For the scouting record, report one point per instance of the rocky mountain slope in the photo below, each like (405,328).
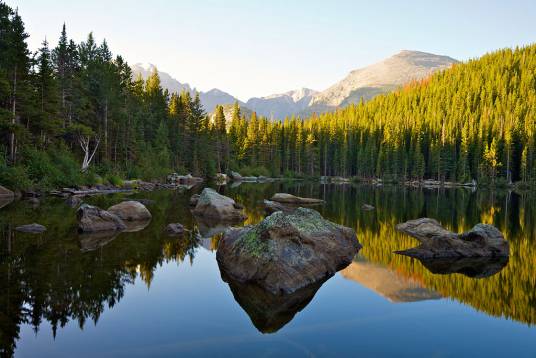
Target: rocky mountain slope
(282,105)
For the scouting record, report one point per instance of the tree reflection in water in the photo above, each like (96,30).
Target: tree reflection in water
(59,276)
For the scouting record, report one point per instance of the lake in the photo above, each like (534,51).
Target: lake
(147,294)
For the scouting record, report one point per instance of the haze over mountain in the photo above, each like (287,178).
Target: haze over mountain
(365,83)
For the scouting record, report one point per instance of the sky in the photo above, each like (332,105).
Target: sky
(253,48)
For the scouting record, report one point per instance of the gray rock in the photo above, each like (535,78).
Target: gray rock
(286,252)
(143,201)
(291,199)
(93,219)
(31,228)
(367,207)
(194,199)
(175,229)
(213,205)
(273,206)
(73,201)
(437,242)
(130,211)
(235,176)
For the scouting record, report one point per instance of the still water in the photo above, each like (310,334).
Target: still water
(146,294)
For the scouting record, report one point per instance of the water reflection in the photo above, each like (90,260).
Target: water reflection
(474,267)
(269,312)
(387,283)
(60,276)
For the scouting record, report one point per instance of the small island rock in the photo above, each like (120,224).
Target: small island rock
(213,205)
(291,199)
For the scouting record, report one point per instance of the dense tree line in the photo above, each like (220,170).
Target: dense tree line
(74,114)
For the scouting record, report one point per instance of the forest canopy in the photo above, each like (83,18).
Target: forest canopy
(74,115)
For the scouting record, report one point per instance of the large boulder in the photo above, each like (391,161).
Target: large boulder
(286,252)
(130,211)
(291,199)
(93,219)
(213,205)
(437,242)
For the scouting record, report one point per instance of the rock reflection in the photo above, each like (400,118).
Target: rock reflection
(474,267)
(268,312)
(96,240)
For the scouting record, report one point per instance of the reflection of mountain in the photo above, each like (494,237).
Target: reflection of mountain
(268,312)
(387,283)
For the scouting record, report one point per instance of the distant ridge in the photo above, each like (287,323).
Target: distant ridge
(363,83)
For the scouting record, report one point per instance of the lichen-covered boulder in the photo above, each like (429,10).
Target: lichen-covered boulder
(130,211)
(213,205)
(291,199)
(286,252)
(437,242)
(93,219)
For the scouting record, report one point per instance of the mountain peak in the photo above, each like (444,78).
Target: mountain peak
(381,77)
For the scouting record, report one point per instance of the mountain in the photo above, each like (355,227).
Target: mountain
(378,78)
(367,82)
(209,99)
(167,82)
(214,97)
(283,104)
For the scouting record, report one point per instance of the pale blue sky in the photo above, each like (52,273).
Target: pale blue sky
(255,48)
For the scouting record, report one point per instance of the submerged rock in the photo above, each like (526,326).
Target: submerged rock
(286,252)
(437,242)
(31,228)
(291,199)
(213,205)
(93,219)
(130,211)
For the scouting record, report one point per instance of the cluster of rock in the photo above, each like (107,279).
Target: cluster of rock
(175,178)
(434,184)
(235,176)
(127,215)
(439,243)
